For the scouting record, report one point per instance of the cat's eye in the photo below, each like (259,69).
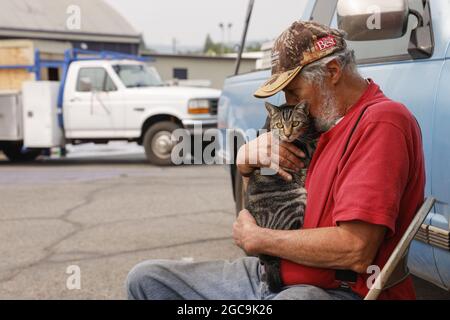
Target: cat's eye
(279,125)
(296,123)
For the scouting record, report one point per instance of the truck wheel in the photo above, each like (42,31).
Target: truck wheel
(158,143)
(16,153)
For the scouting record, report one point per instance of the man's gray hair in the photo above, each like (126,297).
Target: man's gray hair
(316,71)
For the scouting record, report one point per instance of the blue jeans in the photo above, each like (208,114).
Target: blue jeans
(215,280)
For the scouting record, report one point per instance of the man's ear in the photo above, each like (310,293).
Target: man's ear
(271,108)
(335,70)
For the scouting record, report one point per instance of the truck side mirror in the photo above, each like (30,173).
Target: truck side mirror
(85,84)
(365,20)
(421,43)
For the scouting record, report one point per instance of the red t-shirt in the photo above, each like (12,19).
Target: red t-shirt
(379,179)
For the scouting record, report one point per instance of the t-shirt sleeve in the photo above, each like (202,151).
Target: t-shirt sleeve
(370,183)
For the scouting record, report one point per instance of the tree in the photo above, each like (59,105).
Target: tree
(212,48)
(256,46)
(209,44)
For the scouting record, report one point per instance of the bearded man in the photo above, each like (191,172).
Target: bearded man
(365,183)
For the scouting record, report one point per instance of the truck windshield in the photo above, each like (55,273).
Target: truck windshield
(134,76)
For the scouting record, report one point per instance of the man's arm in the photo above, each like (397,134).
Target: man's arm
(367,204)
(259,151)
(351,245)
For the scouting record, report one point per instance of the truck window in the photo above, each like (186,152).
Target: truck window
(99,78)
(109,84)
(384,50)
(135,75)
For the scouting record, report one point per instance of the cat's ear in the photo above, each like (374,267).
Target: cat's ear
(302,107)
(271,109)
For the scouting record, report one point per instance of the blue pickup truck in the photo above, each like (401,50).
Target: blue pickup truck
(410,60)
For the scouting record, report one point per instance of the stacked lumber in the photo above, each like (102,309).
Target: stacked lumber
(15,52)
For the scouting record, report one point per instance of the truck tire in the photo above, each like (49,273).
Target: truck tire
(199,159)
(157,143)
(15,153)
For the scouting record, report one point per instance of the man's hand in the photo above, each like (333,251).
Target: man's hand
(260,153)
(245,232)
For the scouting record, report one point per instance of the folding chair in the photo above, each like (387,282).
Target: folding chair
(401,250)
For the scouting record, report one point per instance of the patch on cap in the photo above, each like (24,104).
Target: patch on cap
(325,43)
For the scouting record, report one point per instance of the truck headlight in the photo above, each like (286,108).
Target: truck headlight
(199,106)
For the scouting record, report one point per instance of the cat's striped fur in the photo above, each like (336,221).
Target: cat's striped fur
(273,202)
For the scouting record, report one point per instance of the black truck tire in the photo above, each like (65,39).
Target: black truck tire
(157,143)
(15,152)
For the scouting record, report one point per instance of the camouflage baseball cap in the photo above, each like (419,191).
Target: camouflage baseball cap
(302,43)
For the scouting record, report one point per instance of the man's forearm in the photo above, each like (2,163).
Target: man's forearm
(322,247)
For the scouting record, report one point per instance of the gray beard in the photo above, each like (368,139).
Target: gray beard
(329,113)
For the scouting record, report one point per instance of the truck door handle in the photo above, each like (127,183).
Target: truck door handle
(139,109)
(74,99)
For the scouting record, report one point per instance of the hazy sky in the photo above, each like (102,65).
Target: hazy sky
(189,21)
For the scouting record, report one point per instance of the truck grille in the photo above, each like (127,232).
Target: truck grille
(434,236)
(213,106)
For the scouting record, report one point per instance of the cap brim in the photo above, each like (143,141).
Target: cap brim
(276,83)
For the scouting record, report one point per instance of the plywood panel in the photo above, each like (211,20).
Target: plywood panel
(13,79)
(15,52)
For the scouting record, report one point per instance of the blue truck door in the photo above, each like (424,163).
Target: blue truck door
(438,234)
(413,83)
(400,82)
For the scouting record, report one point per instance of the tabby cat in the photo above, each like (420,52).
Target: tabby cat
(273,202)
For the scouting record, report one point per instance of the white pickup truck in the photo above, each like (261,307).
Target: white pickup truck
(111,97)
